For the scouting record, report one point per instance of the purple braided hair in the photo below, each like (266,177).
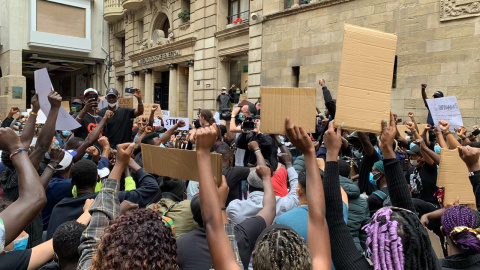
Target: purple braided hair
(383,242)
(458,216)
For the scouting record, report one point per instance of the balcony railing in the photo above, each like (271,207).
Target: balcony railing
(113,10)
(243,16)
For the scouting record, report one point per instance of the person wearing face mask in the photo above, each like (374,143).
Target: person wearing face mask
(88,116)
(422,178)
(119,128)
(379,197)
(62,137)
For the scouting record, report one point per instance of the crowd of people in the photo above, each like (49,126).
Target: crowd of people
(333,199)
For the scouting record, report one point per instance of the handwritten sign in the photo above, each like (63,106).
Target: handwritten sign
(125,103)
(43,86)
(446,109)
(170,122)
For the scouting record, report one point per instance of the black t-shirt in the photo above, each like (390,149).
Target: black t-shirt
(193,252)
(88,125)
(428,176)
(118,129)
(17,260)
(234,176)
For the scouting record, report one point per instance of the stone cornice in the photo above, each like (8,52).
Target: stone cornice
(119,63)
(303,8)
(176,45)
(232,32)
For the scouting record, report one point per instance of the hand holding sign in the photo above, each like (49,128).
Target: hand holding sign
(444,126)
(205,138)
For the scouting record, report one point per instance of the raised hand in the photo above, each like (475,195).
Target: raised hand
(428,127)
(411,115)
(470,156)
(92,151)
(298,137)
(9,140)
(138,93)
(103,141)
(180,124)
(333,139)
(285,158)
(124,151)
(321,82)
(148,130)
(55,99)
(420,142)
(410,126)
(462,132)
(108,114)
(35,103)
(253,145)
(56,154)
(13,111)
(263,172)
(424,86)
(223,190)
(444,126)
(387,137)
(205,138)
(154,108)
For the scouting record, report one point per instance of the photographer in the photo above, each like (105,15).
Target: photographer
(224,100)
(88,116)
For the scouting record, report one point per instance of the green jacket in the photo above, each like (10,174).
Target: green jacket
(179,212)
(358,212)
(299,163)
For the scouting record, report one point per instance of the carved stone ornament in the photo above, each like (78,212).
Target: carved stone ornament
(457,9)
(224,58)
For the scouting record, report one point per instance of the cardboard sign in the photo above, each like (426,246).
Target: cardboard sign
(147,108)
(171,121)
(176,163)
(43,86)
(280,103)
(446,109)
(365,80)
(453,176)
(66,105)
(125,103)
(242,98)
(402,129)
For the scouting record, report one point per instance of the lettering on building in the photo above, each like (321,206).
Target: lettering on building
(159,57)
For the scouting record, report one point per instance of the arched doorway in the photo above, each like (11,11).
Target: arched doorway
(161,23)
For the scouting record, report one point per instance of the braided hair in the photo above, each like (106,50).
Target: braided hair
(281,249)
(397,240)
(459,223)
(137,240)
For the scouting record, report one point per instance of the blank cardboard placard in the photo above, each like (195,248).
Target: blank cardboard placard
(402,129)
(125,103)
(177,163)
(280,103)
(365,81)
(66,105)
(147,107)
(453,176)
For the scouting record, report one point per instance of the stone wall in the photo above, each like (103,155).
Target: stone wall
(443,54)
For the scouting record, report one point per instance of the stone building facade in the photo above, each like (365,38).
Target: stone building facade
(289,43)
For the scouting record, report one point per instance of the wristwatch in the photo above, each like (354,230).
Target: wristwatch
(470,174)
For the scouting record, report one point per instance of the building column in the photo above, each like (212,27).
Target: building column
(13,84)
(190,89)
(148,86)
(172,90)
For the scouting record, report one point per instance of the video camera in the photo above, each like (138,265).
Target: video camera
(248,123)
(226,114)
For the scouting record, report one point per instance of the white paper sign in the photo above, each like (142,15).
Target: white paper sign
(43,86)
(41,118)
(446,109)
(157,122)
(171,121)
(166,113)
(217,118)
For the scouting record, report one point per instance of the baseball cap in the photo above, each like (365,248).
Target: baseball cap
(90,90)
(254,180)
(224,88)
(104,172)
(66,161)
(438,94)
(415,150)
(77,101)
(112,91)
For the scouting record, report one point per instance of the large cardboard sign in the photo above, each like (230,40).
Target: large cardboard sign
(280,103)
(365,80)
(125,103)
(66,105)
(171,121)
(147,107)
(43,86)
(177,163)
(446,109)
(453,176)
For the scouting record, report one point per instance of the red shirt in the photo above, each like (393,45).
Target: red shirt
(279,182)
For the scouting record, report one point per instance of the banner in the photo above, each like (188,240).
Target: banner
(171,121)
(446,109)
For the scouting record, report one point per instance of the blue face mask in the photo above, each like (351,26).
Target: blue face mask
(65,133)
(18,124)
(372,181)
(241,116)
(57,143)
(437,149)
(357,153)
(20,244)
(85,156)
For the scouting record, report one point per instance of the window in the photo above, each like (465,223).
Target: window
(290,3)
(238,9)
(296,76)
(122,55)
(394,81)
(140,30)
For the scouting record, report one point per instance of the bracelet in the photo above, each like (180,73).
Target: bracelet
(33,113)
(51,167)
(256,150)
(233,116)
(140,104)
(17,151)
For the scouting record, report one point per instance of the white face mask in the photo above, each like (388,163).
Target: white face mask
(112,105)
(414,163)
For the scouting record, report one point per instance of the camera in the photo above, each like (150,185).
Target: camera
(226,114)
(130,90)
(248,124)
